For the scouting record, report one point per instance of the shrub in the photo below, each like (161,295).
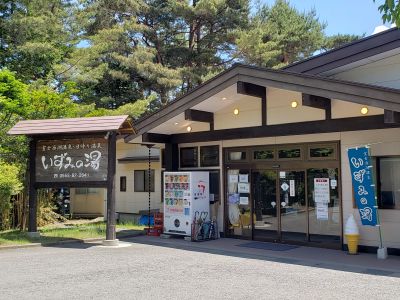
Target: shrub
(10,185)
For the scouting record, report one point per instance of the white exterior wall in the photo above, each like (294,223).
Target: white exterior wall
(130,201)
(385,142)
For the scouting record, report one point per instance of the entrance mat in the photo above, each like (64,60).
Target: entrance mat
(268,246)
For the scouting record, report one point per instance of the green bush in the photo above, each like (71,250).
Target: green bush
(10,185)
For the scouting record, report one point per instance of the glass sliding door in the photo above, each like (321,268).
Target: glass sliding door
(324,205)
(265,213)
(238,203)
(293,206)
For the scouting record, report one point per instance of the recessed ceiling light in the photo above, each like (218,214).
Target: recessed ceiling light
(176,123)
(364,110)
(294,104)
(223,98)
(236,111)
(189,129)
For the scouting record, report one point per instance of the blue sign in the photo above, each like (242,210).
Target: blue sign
(364,192)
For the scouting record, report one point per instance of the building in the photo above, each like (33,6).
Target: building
(278,130)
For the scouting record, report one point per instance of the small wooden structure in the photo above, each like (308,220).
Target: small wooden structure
(75,152)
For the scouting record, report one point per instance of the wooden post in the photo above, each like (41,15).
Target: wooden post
(110,229)
(32,225)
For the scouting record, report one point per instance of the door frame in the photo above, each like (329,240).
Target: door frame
(301,164)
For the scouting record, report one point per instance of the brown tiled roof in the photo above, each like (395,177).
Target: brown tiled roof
(73,125)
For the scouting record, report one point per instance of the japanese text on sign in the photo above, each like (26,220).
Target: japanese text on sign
(72,160)
(364,193)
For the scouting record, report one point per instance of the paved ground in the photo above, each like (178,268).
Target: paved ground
(176,269)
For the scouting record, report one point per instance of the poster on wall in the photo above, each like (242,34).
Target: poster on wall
(233,198)
(321,190)
(233,178)
(363,187)
(244,178)
(322,211)
(243,187)
(292,188)
(244,201)
(69,160)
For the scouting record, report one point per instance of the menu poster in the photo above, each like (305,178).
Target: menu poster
(321,190)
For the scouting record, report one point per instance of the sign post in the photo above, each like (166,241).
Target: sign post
(79,161)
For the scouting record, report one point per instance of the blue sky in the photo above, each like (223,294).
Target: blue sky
(342,16)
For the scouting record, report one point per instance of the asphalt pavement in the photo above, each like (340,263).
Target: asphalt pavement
(150,268)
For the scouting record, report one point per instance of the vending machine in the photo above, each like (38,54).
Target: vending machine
(186,196)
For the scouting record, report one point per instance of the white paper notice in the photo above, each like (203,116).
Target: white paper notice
(321,190)
(333,183)
(244,178)
(282,174)
(292,190)
(322,211)
(233,178)
(244,201)
(243,187)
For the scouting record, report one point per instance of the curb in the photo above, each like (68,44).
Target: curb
(70,241)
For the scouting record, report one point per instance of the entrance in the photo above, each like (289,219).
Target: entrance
(280,209)
(295,201)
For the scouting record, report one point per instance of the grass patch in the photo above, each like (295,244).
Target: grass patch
(51,234)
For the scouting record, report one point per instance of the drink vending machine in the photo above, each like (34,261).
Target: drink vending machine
(186,195)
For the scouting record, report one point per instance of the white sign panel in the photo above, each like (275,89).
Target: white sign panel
(233,178)
(284,186)
(244,201)
(321,190)
(244,178)
(243,187)
(292,189)
(322,211)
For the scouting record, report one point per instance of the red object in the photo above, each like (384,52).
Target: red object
(158,227)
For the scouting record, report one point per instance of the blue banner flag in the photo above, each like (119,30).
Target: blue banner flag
(364,192)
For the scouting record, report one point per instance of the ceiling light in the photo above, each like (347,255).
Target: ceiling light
(294,104)
(236,111)
(176,123)
(223,98)
(189,129)
(364,110)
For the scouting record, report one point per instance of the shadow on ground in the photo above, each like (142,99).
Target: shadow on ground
(318,262)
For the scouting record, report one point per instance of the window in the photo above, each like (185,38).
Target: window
(266,154)
(388,182)
(209,156)
(189,157)
(85,191)
(289,153)
(319,152)
(237,155)
(122,184)
(141,181)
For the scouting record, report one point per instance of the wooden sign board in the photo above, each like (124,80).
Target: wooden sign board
(72,160)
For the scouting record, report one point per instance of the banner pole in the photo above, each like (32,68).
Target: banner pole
(378,219)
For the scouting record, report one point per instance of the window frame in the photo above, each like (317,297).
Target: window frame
(202,165)
(122,183)
(195,148)
(145,188)
(377,174)
(327,145)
